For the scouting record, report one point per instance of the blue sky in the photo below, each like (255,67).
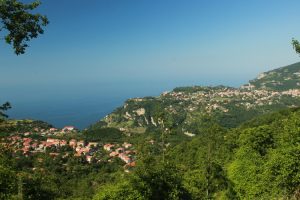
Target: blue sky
(139,40)
(140,47)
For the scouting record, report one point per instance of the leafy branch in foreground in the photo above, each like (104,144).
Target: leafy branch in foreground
(19,25)
(296,45)
(4,107)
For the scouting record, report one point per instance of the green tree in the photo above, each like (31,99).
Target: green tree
(19,25)
(121,191)
(8,177)
(3,108)
(266,161)
(296,45)
(8,182)
(35,186)
(151,180)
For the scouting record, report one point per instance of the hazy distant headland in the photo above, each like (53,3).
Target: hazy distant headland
(83,107)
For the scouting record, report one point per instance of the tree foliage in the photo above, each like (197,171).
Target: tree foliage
(3,108)
(8,182)
(19,25)
(266,162)
(296,45)
(153,182)
(258,160)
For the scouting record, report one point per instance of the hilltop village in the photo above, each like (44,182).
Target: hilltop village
(218,98)
(185,104)
(51,141)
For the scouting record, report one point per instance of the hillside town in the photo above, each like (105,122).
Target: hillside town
(49,142)
(135,113)
(218,98)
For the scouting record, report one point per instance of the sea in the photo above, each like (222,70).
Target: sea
(81,105)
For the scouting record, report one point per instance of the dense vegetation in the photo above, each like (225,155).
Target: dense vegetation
(191,143)
(228,158)
(13,126)
(104,135)
(45,177)
(257,160)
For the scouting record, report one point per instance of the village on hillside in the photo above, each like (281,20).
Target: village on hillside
(218,98)
(49,142)
(136,115)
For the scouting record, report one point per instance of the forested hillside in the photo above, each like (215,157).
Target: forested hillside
(258,160)
(181,108)
(190,143)
(12,126)
(280,79)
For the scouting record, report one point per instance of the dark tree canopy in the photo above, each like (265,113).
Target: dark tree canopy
(296,45)
(3,108)
(19,25)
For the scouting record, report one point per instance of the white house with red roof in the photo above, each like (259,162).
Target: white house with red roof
(94,144)
(68,128)
(89,158)
(73,143)
(127,145)
(108,147)
(125,158)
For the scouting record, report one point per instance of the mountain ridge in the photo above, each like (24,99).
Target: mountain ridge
(230,106)
(280,79)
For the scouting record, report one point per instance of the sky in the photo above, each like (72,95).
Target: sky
(97,53)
